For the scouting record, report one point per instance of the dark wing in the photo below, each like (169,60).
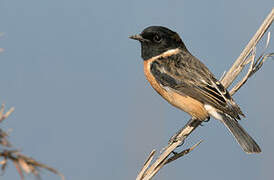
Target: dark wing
(186,75)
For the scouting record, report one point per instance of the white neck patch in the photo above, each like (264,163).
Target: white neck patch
(165,54)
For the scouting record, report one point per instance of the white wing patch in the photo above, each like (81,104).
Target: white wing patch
(213,112)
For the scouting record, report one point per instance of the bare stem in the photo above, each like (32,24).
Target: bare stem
(237,67)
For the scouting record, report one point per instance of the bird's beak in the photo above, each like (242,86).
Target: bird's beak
(138,37)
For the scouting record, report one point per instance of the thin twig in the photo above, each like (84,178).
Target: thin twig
(146,164)
(243,81)
(25,164)
(22,163)
(254,65)
(182,153)
(3,115)
(191,125)
(236,68)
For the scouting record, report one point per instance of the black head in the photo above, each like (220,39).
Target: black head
(156,40)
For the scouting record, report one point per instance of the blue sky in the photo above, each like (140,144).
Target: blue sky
(82,103)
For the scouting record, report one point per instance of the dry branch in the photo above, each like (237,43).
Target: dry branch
(238,66)
(245,58)
(22,163)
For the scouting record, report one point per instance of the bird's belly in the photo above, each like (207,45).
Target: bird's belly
(183,102)
(188,104)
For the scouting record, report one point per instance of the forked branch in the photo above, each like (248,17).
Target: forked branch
(22,163)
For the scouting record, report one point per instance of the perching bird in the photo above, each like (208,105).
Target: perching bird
(186,83)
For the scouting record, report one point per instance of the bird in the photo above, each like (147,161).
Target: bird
(186,83)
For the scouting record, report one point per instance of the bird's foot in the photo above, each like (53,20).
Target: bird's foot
(176,138)
(207,120)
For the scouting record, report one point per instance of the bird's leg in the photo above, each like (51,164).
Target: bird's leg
(174,138)
(182,143)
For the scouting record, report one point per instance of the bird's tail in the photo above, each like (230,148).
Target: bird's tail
(245,140)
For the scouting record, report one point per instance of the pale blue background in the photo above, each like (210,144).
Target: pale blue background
(83,104)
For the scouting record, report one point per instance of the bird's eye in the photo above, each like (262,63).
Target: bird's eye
(157,38)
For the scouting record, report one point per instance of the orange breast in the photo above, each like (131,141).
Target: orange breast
(183,102)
